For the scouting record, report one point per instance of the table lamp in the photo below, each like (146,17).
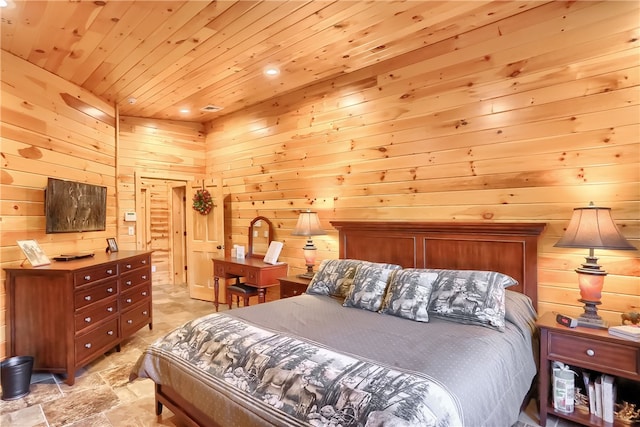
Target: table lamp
(308,225)
(592,228)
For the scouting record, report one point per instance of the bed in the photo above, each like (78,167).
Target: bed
(414,324)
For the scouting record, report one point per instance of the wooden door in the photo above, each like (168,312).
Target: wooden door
(178,234)
(205,239)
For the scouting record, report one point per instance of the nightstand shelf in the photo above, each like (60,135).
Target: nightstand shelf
(591,349)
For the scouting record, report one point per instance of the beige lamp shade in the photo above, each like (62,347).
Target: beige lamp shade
(308,225)
(593,227)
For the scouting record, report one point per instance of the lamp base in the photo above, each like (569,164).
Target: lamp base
(592,323)
(590,317)
(307,275)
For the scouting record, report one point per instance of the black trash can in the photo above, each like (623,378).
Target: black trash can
(15,376)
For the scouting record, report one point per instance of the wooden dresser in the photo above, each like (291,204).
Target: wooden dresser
(67,314)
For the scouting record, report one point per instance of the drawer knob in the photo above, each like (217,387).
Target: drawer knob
(87,298)
(145,312)
(110,309)
(88,345)
(144,261)
(110,333)
(129,321)
(144,277)
(87,277)
(109,271)
(128,266)
(144,294)
(128,283)
(87,319)
(590,352)
(110,290)
(128,300)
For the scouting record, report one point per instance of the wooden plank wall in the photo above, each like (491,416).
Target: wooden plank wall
(522,120)
(43,136)
(161,153)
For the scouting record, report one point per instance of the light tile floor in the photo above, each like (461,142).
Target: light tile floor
(102,395)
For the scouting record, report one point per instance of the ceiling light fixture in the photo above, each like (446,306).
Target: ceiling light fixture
(3,3)
(185,110)
(271,71)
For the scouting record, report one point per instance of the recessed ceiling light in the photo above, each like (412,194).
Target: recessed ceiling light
(185,110)
(271,71)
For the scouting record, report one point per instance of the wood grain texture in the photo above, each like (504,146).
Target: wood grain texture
(520,120)
(188,54)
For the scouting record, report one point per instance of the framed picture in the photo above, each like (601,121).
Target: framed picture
(113,246)
(33,252)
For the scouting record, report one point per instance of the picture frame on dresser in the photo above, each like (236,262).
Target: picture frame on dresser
(112,245)
(33,252)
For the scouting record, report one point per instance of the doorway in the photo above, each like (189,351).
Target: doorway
(161,227)
(182,240)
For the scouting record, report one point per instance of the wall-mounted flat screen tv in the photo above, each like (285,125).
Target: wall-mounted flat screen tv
(74,206)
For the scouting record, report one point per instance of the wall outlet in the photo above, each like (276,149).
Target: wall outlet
(153,268)
(131,231)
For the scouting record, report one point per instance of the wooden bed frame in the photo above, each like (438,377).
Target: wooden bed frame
(509,248)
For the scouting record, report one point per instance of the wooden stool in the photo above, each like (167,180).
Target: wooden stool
(240,290)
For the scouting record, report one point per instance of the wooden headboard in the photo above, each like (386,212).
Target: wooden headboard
(509,248)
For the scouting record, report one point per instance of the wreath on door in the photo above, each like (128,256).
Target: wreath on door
(202,202)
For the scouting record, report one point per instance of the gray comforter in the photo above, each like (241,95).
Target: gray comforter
(447,373)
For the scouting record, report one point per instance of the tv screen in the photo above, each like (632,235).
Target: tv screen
(74,206)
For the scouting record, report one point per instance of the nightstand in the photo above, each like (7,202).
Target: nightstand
(291,286)
(592,349)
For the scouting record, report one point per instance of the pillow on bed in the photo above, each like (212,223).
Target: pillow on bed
(409,294)
(369,286)
(471,297)
(335,276)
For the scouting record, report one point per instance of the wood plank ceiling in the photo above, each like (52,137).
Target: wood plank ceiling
(184,55)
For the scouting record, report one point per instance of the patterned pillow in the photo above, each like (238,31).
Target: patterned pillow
(369,286)
(471,297)
(409,294)
(335,276)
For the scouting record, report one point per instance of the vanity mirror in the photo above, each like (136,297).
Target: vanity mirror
(260,236)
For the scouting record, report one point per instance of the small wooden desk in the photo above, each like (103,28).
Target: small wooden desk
(256,273)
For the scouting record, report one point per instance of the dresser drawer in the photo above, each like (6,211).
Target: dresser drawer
(85,277)
(233,269)
(606,356)
(134,296)
(100,339)
(291,289)
(135,318)
(135,262)
(92,294)
(95,314)
(134,278)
